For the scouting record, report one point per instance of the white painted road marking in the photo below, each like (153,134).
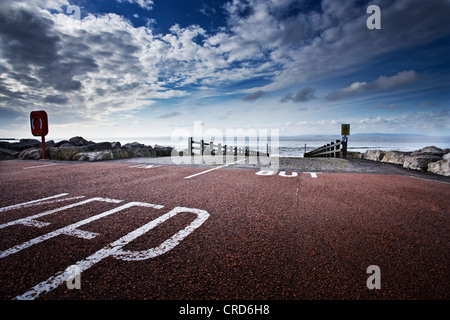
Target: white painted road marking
(42,166)
(145,166)
(283,173)
(197,174)
(48,202)
(167,245)
(31,221)
(115,249)
(314,174)
(20,205)
(266,173)
(72,230)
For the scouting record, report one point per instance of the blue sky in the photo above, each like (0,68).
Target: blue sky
(142,68)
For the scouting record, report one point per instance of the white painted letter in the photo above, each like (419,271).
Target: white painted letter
(266,173)
(374,21)
(283,174)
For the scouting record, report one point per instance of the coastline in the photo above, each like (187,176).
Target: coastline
(428,159)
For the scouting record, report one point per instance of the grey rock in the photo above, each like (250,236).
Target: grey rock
(25,144)
(78,141)
(65,152)
(60,143)
(133,145)
(7,154)
(441,167)
(49,143)
(99,146)
(355,155)
(4,145)
(136,149)
(430,150)
(161,151)
(115,145)
(374,155)
(396,157)
(419,162)
(31,154)
(120,153)
(79,149)
(94,156)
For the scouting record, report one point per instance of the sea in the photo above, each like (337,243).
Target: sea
(296,146)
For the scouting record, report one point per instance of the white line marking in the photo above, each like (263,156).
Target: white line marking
(20,205)
(31,221)
(42,166)
(51,201)
(115,249)
(71,229)
(209,170)
(314,174)
(145,166)
(164,247)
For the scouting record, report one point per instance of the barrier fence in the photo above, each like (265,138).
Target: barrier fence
(336,149)
(210,148)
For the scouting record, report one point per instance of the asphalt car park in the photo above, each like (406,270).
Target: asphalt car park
(118,230)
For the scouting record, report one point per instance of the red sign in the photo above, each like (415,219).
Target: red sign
(39,123)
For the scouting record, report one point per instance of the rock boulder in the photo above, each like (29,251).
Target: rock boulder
(374,155)
(65,152)
(441,167)
(419,162)
(430,150)
(7,154)
(78,141)
(24,144)
(396,157)
(94,156)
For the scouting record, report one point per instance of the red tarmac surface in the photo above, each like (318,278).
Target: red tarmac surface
(266,237)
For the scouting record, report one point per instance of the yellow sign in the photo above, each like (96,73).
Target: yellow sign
(345,130)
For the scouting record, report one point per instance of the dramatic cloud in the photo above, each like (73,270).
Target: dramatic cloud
(382,83)
(304,95)
(103,65)
(169,115)
(251,97)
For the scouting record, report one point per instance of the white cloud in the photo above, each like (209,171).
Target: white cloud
(382,83)
(144,4)
(103,65)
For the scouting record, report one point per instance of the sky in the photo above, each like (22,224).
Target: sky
(146,68)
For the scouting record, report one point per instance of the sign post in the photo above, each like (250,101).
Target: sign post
(39,127)
(345,131)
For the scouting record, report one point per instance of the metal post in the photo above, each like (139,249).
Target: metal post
(43,147)
(344,146)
